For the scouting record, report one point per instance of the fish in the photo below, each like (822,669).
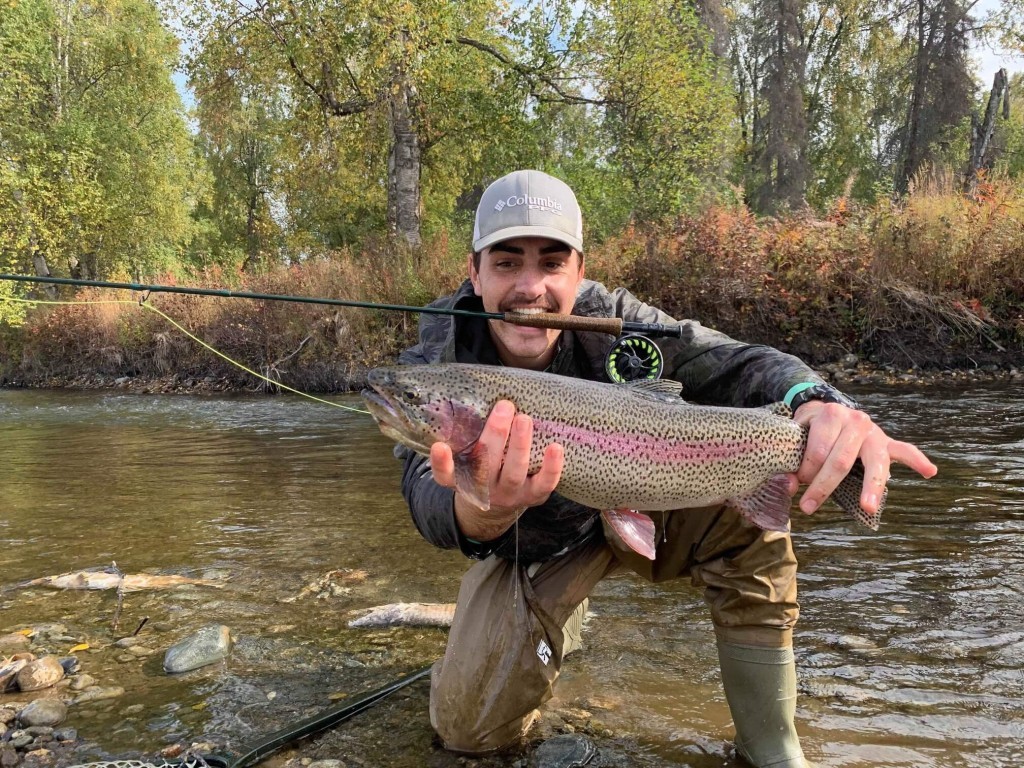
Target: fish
(406,615)
(128,582)
(629,448)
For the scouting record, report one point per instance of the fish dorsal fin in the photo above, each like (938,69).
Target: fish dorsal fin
(660,389)
(780,409)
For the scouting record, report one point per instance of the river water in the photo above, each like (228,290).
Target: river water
(910,646)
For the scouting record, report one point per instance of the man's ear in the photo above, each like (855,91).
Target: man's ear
(474,275)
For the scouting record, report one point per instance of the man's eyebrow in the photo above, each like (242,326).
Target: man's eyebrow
(503,248)
(556,248)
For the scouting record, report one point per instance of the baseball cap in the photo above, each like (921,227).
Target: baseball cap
(528,204)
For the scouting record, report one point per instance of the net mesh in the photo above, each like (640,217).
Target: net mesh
(191,762)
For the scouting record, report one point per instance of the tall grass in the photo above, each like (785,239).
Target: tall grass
(936,280)
(307,346)
(933,281)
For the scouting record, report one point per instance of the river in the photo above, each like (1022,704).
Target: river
(910,646)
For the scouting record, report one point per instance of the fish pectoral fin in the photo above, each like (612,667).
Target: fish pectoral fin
(472,473)
(635,529)
(768,505)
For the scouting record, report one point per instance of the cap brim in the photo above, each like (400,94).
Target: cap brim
(528,231)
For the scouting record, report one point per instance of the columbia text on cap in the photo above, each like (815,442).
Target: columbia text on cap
(528,204)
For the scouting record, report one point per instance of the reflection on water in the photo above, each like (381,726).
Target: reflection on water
(910,646)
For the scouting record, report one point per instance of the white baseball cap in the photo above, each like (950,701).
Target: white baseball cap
(528,204)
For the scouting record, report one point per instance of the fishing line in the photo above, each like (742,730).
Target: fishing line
(146,305)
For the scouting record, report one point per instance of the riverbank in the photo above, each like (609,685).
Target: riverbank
(932,284)
(849,370)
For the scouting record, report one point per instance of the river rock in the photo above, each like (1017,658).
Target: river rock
(20,739)
(206,646)
(39,674)
(13,642)
(8,756)
(82,681)
(9,673)
(567,750)
(46,712)
(98,693)
(65,734)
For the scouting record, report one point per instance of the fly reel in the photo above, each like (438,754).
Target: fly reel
(633,358)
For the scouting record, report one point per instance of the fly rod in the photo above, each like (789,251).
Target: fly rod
(612,325)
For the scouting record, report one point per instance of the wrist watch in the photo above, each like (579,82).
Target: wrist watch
(823,392)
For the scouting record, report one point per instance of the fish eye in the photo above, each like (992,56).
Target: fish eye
(410,396)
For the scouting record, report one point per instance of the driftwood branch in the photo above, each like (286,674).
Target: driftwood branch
(272,371)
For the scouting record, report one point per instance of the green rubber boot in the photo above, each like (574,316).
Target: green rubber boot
(760,686)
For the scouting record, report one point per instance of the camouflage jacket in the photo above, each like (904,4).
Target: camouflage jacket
(713,369)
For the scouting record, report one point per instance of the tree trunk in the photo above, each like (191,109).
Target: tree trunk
(252,241)
(784,160)
(981,132)
(43,270)
(404,166)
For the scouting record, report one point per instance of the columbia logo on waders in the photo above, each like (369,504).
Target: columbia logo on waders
(543,652)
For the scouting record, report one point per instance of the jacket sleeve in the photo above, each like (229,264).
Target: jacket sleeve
(433,508)
(714,368)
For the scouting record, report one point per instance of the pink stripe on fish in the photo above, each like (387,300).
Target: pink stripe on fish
(646,447)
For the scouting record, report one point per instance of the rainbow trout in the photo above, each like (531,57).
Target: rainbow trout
(628,448)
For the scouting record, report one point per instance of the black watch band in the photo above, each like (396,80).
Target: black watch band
(823,392)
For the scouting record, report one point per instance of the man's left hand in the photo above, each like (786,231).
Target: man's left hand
(837,437)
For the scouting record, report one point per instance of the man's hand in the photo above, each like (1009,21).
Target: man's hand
(837,437)
(512,488)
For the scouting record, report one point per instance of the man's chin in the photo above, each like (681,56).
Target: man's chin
(536,356)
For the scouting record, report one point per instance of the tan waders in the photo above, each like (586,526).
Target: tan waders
(513,625)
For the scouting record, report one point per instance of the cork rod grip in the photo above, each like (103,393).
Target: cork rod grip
(612,325)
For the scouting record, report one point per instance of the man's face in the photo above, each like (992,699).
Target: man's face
(532,274)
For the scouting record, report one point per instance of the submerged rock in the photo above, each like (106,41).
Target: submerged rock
(98,693)
(46,712)
(569,750)
(206,646)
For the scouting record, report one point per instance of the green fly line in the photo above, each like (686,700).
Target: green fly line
(146,305)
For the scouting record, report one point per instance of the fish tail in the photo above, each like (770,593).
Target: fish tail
(847,496)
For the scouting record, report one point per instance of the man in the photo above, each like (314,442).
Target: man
(520,607)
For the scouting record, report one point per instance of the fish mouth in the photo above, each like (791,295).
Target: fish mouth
(394,420)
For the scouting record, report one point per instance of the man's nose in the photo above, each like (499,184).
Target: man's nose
(530,282)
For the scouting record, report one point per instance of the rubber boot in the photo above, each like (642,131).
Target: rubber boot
(760,686)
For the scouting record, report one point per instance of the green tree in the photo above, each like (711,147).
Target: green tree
(666,114)
(96,154)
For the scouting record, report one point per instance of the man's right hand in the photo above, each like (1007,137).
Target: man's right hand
(512,488)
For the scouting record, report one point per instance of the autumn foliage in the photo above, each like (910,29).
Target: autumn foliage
(935,281)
